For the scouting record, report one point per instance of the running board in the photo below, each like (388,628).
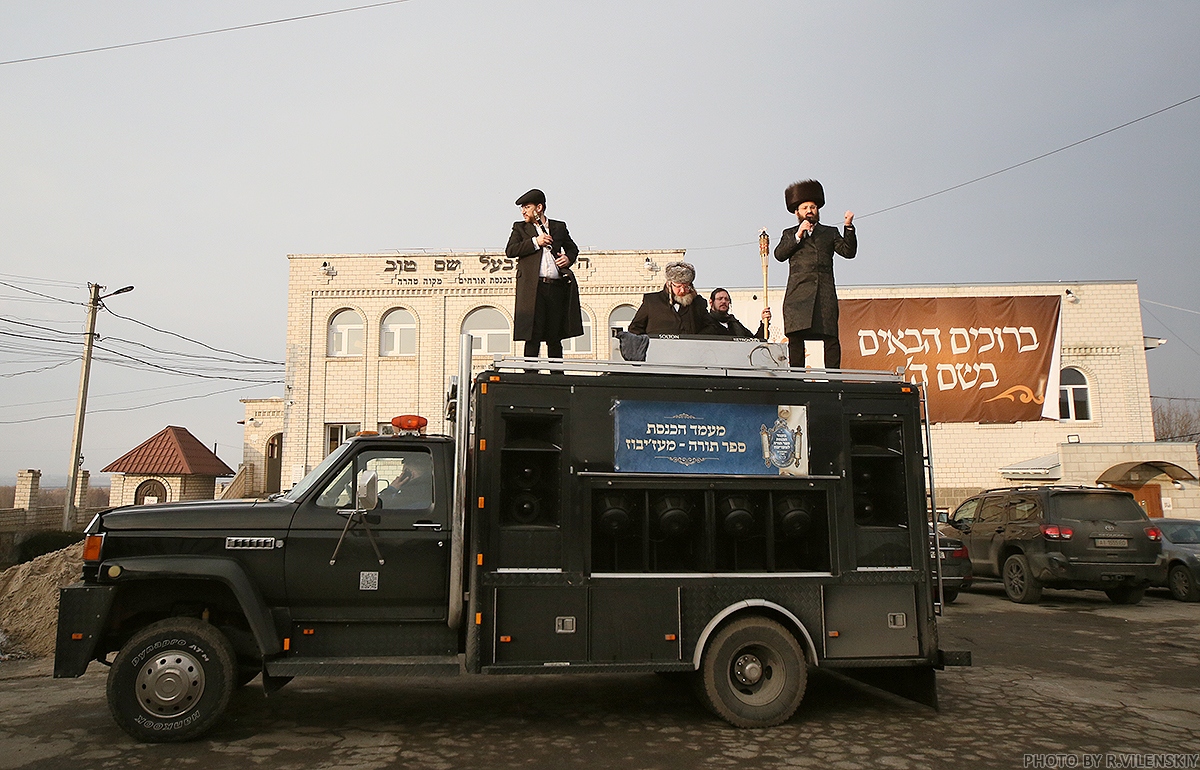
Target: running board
(393,666)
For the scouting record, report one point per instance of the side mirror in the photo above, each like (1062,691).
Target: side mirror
(943,517)
(368,491)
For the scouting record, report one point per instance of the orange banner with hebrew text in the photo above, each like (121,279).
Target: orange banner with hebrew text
(982,359)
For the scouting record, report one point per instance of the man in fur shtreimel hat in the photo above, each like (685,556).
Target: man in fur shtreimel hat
(810,305)
(676,309)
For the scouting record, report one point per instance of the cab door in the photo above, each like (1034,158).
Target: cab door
(392,562)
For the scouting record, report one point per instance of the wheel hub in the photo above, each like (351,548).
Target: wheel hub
(748,669)
(170,684)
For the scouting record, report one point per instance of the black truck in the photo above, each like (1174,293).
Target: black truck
(737,524)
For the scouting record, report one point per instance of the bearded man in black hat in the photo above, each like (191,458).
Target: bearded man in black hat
(677,309)
(547,306)
(810,305)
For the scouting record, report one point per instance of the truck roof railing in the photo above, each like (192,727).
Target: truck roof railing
(596,367)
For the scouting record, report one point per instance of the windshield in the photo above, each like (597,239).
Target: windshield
(334,457)
(1181,532)
(1086,506)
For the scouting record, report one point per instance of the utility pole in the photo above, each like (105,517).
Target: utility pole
(68,522)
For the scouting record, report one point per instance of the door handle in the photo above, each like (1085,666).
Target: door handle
(432,525)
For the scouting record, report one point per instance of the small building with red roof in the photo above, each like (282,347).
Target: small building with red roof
(170,466)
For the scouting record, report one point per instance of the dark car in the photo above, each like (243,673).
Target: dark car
(1062,537)
(1181,547)
(950,551)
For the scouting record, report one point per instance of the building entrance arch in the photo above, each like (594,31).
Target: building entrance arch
(274,462)
(150,492)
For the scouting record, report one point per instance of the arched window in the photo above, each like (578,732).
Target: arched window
(490,330)
(346,334)
(1074,402)
(398,334)
(619,318)
(150,492)
(582,343)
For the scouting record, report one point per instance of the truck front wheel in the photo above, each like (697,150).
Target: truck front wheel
(753,673)
(172,681)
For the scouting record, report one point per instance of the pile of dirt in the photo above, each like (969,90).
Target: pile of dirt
(29,602)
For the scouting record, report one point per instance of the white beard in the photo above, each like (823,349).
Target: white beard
(685,300)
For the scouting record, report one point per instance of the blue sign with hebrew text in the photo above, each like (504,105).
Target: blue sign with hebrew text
(710,438)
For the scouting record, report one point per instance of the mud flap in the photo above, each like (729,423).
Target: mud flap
(916,683)
(273,684)
(82,614)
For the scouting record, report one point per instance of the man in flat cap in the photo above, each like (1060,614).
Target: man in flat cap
(677,309)
(547,307)
(810,305)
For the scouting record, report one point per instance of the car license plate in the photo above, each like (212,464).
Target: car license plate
(1111,542)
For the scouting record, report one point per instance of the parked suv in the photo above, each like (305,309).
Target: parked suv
(1061,537)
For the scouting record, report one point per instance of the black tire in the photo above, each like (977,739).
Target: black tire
(1019,583)
(1125,595)
(753,673)
(949,595)
(1183,584)
(171,681)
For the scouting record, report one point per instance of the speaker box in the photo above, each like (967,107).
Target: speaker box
(529,489)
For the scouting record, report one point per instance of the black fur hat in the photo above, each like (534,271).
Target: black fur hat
(534,196)
(799,192)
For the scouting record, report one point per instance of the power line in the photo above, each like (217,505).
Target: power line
(39,328)
(9,375)
(133,408)
(1163,304)
(1170,330)
(39,294)
(168,369)
(44,281)
(189,339)
(1031,160)
(181,354)
(989,176)
(200,34)
(104,395)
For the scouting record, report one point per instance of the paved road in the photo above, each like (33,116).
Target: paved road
(1070,677)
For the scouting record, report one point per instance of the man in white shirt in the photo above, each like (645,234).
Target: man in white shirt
(547,302)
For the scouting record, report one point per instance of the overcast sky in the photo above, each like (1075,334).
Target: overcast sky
(191,168)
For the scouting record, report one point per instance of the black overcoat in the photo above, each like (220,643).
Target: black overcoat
(529,263)
(735,328)
(810,303)
(657,316)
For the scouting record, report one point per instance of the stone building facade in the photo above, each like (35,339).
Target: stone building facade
(372,336)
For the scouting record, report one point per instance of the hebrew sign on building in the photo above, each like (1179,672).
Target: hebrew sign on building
(982,359)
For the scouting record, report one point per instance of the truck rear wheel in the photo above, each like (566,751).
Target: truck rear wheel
(171,681)
(753,673)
